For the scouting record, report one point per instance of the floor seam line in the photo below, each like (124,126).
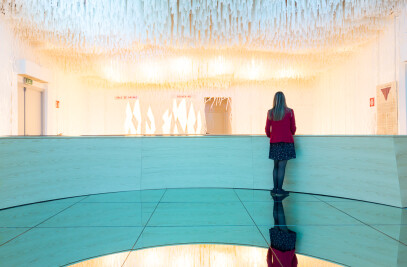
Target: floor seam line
(258,229)
(143,228)
(251,217)
(366,224)
(30,228)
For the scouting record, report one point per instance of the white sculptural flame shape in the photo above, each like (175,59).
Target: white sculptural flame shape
(137,115)
(191,120)
(150,129)
(182,114)
(167,118)
(128,123)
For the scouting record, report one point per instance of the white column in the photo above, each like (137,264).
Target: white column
(402,84)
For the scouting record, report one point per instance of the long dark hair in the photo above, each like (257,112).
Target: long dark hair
(279,107)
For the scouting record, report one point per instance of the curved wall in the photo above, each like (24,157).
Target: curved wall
(32,169)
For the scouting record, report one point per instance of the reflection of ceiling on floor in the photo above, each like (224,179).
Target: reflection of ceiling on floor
(290,33)
(201,255)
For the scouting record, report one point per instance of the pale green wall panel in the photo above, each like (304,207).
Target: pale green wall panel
(370,168)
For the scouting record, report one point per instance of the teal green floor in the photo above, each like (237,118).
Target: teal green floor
(63,232)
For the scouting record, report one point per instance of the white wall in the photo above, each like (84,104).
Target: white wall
(249,105)
(11,52)
(342,93)
(402,30)
(92,110)
(8,82)
(336,102)
(61,86)
(70,118)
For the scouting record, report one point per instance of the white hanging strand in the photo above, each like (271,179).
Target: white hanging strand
(295,32)
(120,24)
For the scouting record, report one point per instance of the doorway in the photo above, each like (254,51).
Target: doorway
(218,115)
(30,109)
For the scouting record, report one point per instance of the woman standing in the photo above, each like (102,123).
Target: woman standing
(280,128)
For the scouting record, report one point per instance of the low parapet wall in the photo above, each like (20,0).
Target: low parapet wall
(33,169)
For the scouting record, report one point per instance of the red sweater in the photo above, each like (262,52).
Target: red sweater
(283,130)
(276,258)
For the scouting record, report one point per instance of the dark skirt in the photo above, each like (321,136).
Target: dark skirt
(282,241)
(282,151)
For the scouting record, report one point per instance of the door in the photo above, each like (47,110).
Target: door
(30,110)
(217,115)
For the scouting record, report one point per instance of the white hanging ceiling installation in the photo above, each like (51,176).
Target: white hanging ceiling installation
(173,41)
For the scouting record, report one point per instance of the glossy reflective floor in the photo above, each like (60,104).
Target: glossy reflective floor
(63,232)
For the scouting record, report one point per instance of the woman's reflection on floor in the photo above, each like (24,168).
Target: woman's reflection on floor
(282,240)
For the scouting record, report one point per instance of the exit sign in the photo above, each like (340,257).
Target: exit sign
(28,81)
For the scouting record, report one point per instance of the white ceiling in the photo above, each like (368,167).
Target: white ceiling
(139,29)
